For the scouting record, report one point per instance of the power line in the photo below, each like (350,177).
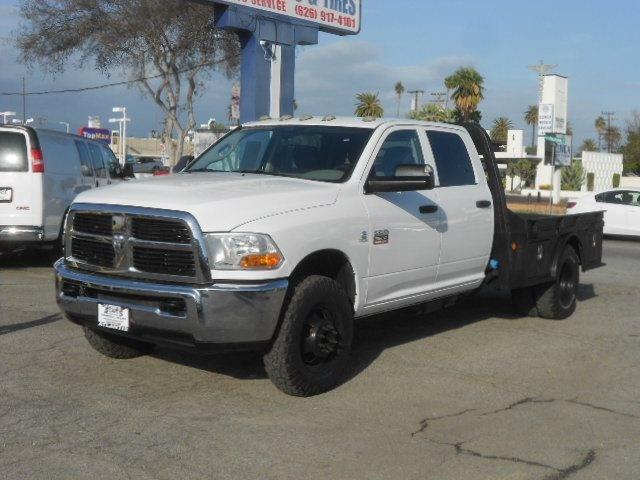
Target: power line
(110,85)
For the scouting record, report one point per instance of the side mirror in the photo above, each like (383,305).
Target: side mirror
(408,178)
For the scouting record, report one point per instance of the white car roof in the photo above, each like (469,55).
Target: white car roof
(358,122)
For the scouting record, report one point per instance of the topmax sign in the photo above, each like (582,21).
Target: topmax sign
(335,16)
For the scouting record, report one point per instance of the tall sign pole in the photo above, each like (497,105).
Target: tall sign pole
(269,32)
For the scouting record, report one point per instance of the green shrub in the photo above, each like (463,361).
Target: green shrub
(544,187)
(591,181)
(616,180)
(573,177)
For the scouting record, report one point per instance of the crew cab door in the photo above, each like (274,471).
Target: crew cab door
(404,233)
(99,166)
(466,207)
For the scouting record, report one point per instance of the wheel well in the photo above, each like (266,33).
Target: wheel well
(575,243)
(328,263)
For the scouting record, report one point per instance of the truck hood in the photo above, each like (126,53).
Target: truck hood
(219,201)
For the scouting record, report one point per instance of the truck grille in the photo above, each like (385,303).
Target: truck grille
(94,252)
(141,244)
(161,261)
(160,230)
(93,224)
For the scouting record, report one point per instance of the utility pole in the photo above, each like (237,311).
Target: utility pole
(440,99)
(416,99)
(541,69)
(609,116)
(24,102)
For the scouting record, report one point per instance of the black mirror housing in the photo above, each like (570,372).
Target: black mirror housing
(408,178)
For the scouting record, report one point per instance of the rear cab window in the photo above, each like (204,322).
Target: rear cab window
(111,161)
(97,161)
(452,159)
(13,152)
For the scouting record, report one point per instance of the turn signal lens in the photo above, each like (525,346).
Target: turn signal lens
(267,261)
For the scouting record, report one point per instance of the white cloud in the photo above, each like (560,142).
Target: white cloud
(329,77)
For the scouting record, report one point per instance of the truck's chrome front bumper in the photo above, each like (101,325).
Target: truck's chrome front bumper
(215,317)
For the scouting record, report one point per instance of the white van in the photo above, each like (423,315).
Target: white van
(41,172)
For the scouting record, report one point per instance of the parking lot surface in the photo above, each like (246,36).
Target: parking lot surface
(473,392)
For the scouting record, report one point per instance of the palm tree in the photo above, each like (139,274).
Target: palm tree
(369,105)
(468,90)
(589,145)
(601,128)
(612,136)
(531,117)
(569,129)
(500,130)
(399,92)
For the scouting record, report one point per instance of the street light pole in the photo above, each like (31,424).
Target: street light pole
(66,124)
(7,114)
(122,124)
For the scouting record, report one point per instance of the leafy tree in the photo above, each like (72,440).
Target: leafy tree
(601,127)
(475,116)
(433,113)
(399,88)
(573,177)
(589,145)
(500,130)
(569,129)
(526,170)
(369,105)
(631,150)
(468,91)
(168,45)
(612,136)
(531,117)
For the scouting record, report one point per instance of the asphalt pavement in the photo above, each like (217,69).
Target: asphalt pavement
(473,392)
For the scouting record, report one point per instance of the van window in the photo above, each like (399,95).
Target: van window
(96,160)
(13,152)
(452,159)
(111,161)
(85,159)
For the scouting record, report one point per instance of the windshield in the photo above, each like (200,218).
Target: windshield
(326,154)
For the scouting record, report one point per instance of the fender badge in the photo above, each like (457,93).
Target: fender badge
(381,237)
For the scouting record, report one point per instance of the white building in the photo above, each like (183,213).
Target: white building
(603,166)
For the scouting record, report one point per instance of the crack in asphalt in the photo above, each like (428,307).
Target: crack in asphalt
(424,423)
(460,450)
(567,472)
(524,401)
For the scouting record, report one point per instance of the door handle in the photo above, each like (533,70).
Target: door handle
(483,204)
(428,209)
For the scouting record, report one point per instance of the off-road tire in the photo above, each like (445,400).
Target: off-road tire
(113,346)
(557,300)
(524,301)
(284,362)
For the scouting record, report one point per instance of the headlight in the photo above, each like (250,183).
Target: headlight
(242,251)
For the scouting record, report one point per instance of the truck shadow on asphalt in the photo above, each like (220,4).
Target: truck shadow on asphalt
(25,259)
(376,334)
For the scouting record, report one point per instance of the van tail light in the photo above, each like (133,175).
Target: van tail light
(37,162)
(571,204)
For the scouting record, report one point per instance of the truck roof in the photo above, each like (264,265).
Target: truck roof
(353,122)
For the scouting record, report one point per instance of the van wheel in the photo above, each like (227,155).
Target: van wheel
(312,349)
(557,300)
(113,346)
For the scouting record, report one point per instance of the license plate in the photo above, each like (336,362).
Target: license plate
(113,317)
(6,194)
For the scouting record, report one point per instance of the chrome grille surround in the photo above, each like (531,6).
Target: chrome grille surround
(123,242)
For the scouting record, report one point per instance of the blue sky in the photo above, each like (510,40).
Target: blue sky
(418,42)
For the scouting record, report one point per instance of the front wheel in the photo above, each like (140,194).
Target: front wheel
(557,300)
(312,349)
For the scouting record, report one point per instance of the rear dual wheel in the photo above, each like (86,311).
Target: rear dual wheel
(556,300)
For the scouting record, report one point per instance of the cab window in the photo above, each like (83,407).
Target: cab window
(400,148)
(452,159)
(111,161)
